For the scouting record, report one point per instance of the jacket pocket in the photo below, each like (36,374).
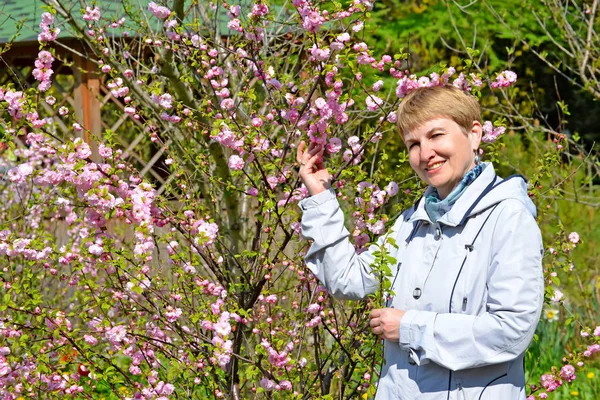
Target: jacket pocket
(490,383)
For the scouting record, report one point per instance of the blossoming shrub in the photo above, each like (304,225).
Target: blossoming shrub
(112,287)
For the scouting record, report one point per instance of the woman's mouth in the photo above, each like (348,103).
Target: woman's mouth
(435,167)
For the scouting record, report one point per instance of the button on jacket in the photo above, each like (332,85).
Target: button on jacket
(471,285)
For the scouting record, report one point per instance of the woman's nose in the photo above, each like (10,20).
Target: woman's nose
(426,151)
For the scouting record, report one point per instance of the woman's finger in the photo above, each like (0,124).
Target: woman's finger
(300,151)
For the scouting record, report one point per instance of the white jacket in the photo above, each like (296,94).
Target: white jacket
(471,284)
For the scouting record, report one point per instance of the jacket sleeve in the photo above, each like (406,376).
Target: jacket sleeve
(514,302)
(331,257)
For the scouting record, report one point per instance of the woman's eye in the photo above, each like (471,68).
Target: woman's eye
(410,146)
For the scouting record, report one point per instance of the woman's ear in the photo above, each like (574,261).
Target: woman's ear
(475,135)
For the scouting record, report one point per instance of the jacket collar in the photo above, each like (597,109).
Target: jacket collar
(464,204)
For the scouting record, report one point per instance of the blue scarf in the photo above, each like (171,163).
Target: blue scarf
(436,208)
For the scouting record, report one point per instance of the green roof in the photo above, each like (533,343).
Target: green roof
(28,13)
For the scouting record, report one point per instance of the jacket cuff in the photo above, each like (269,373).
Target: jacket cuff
(317,199)
(416,328)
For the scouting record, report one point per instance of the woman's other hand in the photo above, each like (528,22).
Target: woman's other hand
(313,173)
(385,323)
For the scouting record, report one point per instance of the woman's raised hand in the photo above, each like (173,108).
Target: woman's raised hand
(313,173)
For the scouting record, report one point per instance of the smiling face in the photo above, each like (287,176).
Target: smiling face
(441,153)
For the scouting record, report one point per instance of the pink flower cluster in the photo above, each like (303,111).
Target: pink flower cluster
(236,162)
(15,101)
(43,70)
(205,232)
(567,372)
(223,347)
(21,247)
(160,12)
(92,14)
(312,19)
(407,83)
(372,197)
(277,360)
(491,134)
(48,33)
(228,138)
(164,100)
(259,10)
(504,79)
(593,348)
(355,151)
(117,89)
(574,237)
(549,382)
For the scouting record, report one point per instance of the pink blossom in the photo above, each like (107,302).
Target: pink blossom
(567,372)
(504,79)
(313,308)
(311,19)
(206,231)
(558,295)
(574,237)
(357,26)
(160,12)
(549,383)
(173,315)
(236,162)
(47,18)
(377,85)
(271,299)
(223,327)
(392,188)
(344,37)
(267,384)
(235,25)
(597,331)
(320,54)
(135,370)
(491,134)
(96,249)
(259,10)
(92,14)
(361,240)
(227,104)
(373,102)
(89,339)
(334,145)
(116,334)
(235,11)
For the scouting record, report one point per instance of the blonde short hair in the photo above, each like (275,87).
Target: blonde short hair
(424,104)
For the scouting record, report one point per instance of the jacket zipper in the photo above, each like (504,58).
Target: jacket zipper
(461,393)
(489,383)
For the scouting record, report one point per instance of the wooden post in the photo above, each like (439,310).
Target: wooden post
(87,102)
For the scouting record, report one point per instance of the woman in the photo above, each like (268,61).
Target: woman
(468,282)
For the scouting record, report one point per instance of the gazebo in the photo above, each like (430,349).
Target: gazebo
(76,82)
